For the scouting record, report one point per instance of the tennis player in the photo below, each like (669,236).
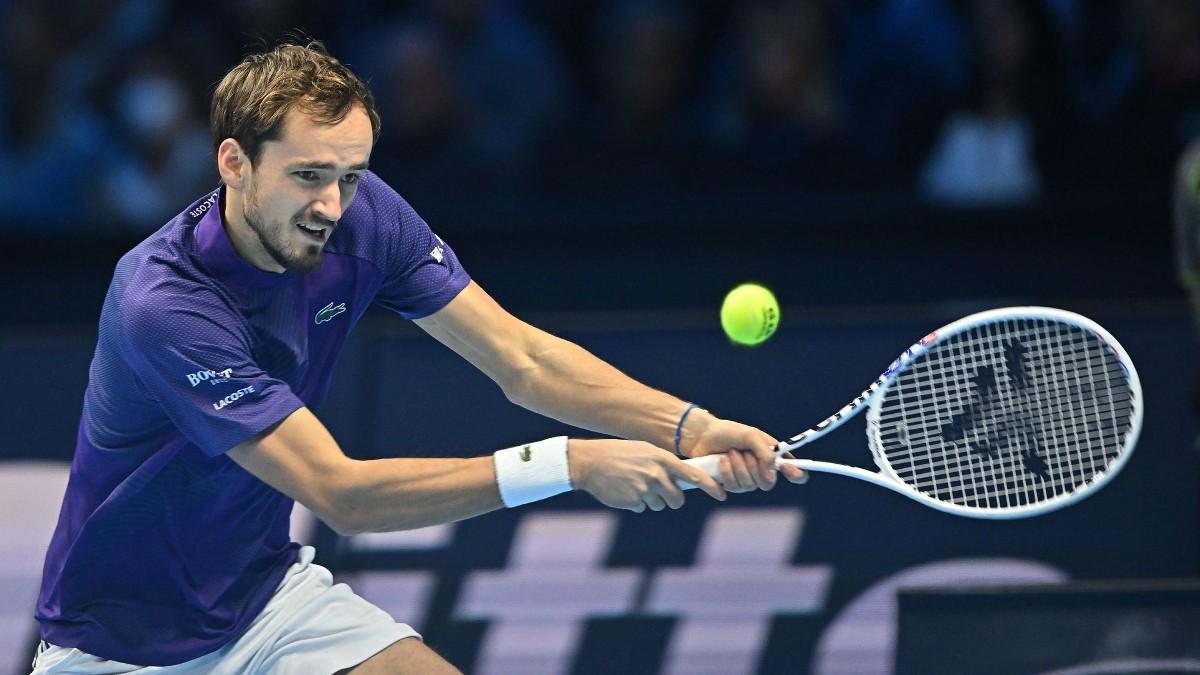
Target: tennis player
(218,337)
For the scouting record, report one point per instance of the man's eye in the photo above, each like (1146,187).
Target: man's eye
(350,178)
(307,175)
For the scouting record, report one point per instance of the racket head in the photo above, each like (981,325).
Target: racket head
(1007,413)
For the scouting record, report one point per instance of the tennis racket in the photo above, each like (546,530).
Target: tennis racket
(1007,413)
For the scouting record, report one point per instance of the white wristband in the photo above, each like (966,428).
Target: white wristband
(532,471)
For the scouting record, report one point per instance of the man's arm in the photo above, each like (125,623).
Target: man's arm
(559,379)
(301,459)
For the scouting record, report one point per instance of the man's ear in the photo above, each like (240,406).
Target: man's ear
(233,164)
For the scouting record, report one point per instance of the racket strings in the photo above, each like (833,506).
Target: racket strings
(1007,414)
(1015,481)
(1056,400)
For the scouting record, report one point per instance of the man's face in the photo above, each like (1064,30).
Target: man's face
(303,182)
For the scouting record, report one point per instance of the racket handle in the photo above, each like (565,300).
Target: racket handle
(710,464)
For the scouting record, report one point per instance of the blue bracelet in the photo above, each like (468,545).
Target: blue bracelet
(679,427)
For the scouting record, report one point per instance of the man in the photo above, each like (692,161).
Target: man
(219,334)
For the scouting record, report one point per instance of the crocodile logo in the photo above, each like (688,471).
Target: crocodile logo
(329,311)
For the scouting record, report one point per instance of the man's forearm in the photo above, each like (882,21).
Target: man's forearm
(405,494)
(570,384)
(554,377)
(301,459)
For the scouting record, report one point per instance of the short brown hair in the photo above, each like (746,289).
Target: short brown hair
(250,102)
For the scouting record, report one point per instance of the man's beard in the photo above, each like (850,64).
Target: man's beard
(302,258)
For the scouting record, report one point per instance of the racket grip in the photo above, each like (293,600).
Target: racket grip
(710,464)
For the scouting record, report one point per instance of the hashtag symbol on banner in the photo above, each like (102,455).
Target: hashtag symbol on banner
(555,580)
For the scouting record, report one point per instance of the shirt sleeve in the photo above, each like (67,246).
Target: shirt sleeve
(421,273)
(193,356)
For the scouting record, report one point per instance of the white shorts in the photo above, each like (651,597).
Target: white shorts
(309,627)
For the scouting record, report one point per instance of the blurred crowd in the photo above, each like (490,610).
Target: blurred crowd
(103,103)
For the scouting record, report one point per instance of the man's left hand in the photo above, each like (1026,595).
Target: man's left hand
(748,454)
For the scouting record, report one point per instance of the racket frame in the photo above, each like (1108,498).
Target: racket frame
(871,398)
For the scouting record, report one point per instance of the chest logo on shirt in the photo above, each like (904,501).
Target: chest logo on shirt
(329,311)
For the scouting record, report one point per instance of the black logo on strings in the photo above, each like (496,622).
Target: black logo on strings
(1008,428)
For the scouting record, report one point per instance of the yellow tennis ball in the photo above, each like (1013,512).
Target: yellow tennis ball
(749,314)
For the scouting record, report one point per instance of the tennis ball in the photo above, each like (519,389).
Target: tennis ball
(749,314)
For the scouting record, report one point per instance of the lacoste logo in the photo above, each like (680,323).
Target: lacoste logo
(526,454)
(235,396)
(329,311)
(204,206)
(438,253)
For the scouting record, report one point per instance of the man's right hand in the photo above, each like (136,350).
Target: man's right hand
(634,475)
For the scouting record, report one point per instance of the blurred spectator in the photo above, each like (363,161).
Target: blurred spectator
(666,94)
(424,146)
(571,27)
(783,116)
(164,158)
(468,88)
(56,140)
(1158,97)
(52,137)
(511,78)
(266,19)
(931,33)
(902,64)
(644,129)
(998,148)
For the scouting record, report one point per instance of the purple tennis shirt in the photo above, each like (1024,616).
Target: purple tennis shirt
(166,549)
